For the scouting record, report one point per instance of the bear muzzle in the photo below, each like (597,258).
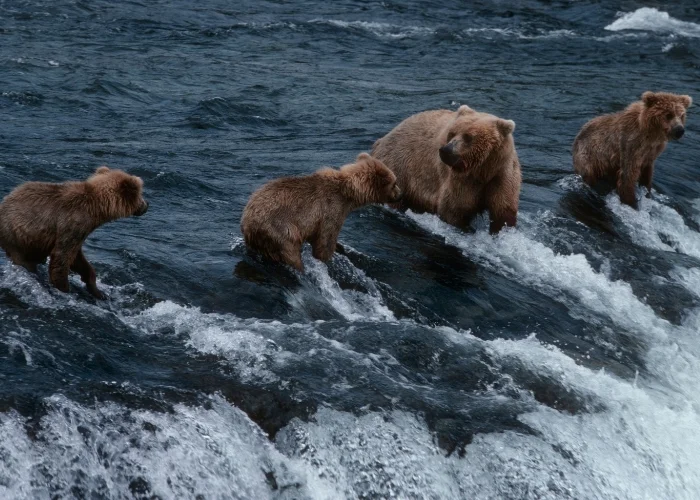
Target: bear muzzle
(143,208)
(677,132)
(449,156)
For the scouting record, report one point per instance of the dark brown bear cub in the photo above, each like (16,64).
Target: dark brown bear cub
(286,212)
(621,148)
(42,219)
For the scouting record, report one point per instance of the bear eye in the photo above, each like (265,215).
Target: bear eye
(450,136)
(467,138)
(669,116)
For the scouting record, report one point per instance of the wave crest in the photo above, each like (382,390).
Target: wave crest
(651,19)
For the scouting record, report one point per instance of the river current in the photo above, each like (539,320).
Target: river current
(560,359)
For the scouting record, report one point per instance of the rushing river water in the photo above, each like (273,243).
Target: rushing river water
(557,360)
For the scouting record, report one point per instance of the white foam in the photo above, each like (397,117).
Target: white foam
(246,344)
(653,221)
(14,344)
(266,26)
(382,30)
(352,305)
(636,448)
(253,347)
(237,242)
(509,32)
(696,209)
(569,279)
(689,278)
(16,458)
(652,19)
(620,36)
(673,351)
(26,285)
(373,456)
(191,452)
(36,290)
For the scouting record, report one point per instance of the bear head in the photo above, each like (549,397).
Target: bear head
(118,193)
(371,181)
(473,138)
(665,112)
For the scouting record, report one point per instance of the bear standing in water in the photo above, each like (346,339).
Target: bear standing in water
(286,212)
(621,148)
(455,164)
(42,219)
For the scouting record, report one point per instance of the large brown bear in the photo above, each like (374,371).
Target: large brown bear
(620,148)
(455,164)
(286,212)
(42,219)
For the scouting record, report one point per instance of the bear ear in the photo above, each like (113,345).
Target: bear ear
(505,126)
(102,170)
(649,98)
(464,109)
(130,188)
(381,169)
(687,101)
(363,157)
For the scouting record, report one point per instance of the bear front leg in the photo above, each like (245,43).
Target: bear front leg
(323,246)
(59,267)
(502,204)
(502,217)
(625,189)
(462,221)
(87,274)
(646,177)
(628,176)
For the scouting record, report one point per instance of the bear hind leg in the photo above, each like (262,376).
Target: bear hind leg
(19,259)
(291,254)
(287,247)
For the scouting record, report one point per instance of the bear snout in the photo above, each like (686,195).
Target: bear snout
(677,132)
(449,156)
(143,208)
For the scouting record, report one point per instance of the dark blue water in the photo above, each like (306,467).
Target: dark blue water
(557,360)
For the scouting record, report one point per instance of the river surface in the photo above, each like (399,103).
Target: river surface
(557,360)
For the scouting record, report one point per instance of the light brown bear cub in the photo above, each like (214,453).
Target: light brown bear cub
(455,164)
(620,148)
(42,219)
(286,212)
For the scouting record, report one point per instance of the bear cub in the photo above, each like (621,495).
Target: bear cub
(620,148)
(43,219)
(286,212)
(455,164)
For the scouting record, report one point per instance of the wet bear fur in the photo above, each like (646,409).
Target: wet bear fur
(456,164)
(286,212)
(619,149)
(42,219)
